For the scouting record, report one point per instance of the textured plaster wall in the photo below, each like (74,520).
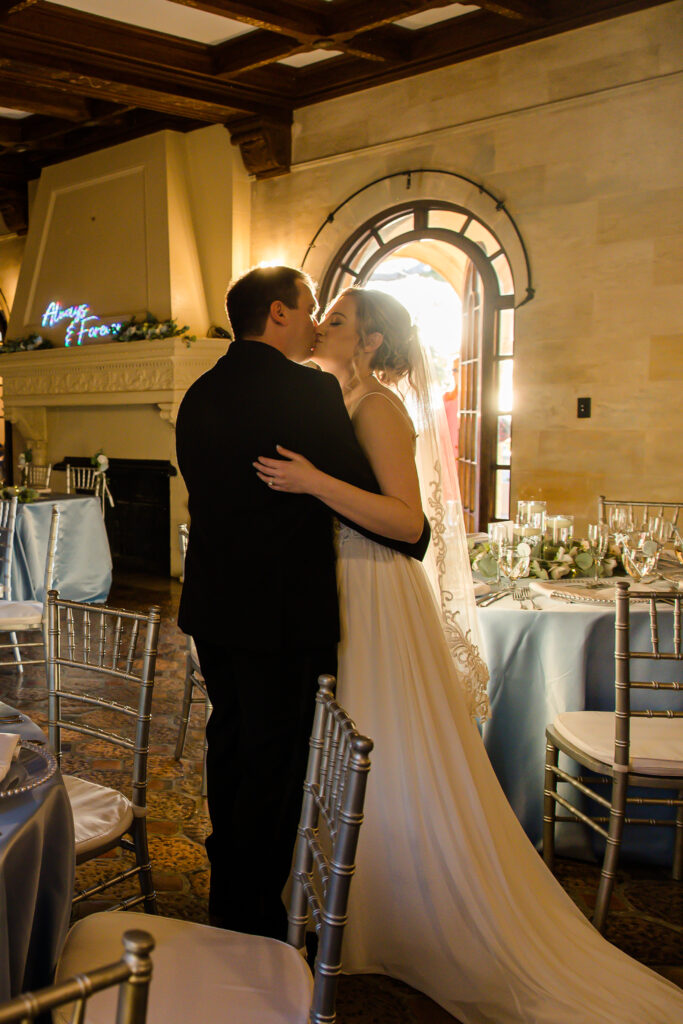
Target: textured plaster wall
(580,135)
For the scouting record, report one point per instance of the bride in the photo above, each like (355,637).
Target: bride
(449,895)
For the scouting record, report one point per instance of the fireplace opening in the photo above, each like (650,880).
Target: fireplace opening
(138,525)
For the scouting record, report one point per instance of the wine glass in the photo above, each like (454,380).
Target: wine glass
(678,546)
(620,519)
(661,529)
(514,559)
(640,554)
(598,537)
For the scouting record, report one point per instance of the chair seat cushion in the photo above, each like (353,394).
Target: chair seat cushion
(656,743)
(199,973)
(17,615)
(101,815)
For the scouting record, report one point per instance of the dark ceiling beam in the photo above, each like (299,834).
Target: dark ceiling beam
(255,50)
(524,10)
(170,90)
(18,94)
(304,22)
(14,6)
(389,44)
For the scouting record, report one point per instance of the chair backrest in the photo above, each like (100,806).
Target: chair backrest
(51,557)
(663,646)
(8,522)
(38,476)
(639,511)
(324,858)
(93,650)
(132,973)
(83,478)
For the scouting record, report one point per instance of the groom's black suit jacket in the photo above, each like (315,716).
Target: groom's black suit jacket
(260,566)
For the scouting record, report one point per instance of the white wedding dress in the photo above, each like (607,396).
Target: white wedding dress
(449,895)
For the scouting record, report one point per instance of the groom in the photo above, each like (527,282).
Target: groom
(260,595)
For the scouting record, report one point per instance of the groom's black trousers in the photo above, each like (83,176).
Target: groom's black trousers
(257,736)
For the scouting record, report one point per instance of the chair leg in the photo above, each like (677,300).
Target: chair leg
(551,758)
(677,872)
(16,652)
(142,860)
(611,859)
(184,714)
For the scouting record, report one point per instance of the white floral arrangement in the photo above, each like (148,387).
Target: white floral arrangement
(100,461)
(552,561)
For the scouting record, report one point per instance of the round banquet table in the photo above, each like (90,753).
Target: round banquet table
(37,857)
(559,658)
(83,563)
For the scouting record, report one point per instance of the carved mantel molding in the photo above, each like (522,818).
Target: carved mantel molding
(136,373)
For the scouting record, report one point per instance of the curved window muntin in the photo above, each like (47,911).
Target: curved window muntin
(353,266)
(346,264)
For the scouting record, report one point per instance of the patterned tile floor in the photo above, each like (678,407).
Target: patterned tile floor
(646,919)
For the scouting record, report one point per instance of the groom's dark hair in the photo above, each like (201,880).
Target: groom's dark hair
(250,297)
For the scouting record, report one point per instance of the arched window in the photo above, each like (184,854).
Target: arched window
(463,251)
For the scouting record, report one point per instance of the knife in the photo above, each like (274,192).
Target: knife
(491,599)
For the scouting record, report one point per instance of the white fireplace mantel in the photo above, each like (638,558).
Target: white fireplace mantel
(119,373)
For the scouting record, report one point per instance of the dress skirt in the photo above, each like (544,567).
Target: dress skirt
(449,895)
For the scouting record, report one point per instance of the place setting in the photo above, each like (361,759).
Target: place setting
(24,765)
(542,555)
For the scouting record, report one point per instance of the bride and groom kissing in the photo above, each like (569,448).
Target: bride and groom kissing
(448,895)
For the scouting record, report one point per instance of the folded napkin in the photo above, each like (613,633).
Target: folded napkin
(9,749)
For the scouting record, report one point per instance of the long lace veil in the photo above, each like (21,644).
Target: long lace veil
(447,561)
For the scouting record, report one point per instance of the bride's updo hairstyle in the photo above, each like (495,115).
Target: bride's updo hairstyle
(397,356)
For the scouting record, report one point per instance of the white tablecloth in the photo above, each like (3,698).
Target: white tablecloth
(83,564)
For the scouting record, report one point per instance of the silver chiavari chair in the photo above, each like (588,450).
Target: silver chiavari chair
(25,616)
(67,1001)
(38,476)
(100,668)
(637,512)
(249,976)
(627,748)
(8,522)
(194,691)
(88,480)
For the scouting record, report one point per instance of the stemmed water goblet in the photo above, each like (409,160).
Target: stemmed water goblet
(514,560)
(498,538)
(598,538)
(640,554)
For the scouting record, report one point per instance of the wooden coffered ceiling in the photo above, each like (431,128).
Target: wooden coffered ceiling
(81,75)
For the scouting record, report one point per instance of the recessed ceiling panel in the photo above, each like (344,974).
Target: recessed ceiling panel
(436,15)
(164,16)
(11,112)
(301,60)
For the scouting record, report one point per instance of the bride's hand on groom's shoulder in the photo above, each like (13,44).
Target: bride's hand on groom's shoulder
(291,473)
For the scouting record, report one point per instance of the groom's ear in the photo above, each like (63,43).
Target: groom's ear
(278,311)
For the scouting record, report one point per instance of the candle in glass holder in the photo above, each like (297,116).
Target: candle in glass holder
(561,528)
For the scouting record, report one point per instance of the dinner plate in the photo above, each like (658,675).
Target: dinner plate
(33,766)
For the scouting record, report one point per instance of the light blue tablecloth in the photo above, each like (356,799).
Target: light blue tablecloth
(37,856)
(83,564)
(541,663)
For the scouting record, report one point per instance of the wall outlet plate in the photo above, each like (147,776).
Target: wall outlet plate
(583,408)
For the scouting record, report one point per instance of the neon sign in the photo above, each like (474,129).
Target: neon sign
(83,325)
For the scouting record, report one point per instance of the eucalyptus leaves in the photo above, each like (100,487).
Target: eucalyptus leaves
(552,561)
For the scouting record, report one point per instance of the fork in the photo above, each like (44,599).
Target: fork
(523,594)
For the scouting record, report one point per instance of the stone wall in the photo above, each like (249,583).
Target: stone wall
(580,135)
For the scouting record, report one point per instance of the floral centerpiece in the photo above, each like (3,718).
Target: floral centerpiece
(25,495)
(552,561)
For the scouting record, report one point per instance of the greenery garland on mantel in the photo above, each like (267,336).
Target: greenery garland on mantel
(149,329)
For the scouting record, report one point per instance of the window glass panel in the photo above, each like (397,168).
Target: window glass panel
(448,219)
(503,443)
(506,332)
(502,503)
(397,227)
(505,385)
(367,249)
(502,269)
(484,239)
